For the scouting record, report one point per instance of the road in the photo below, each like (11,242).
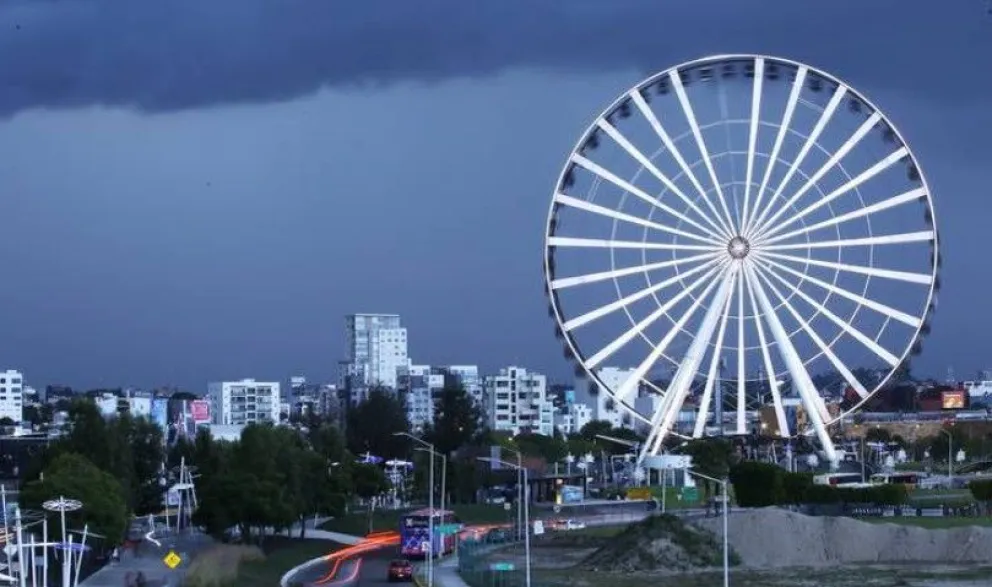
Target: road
(365,570)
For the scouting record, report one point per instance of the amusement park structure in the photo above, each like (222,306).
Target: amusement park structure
(731,227)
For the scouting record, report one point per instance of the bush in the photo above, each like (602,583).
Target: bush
(981,489)
(795,488)
(218,567)
(879,495)
(757,484)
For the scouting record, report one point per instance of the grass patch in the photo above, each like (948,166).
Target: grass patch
(249,566)
(931,523)
(358,524)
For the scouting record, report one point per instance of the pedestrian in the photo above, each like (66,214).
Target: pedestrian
(116,556)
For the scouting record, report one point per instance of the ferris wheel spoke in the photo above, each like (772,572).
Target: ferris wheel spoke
(783,129)
(783,424)
(824,347)
(711,376)
(635,153)
(821,124)
(595,243)
(912,195)
(741,359)
(759,76)
(659,130)
(639,295)
(579,204)
(883,309)
(834,159)
(566,282)
(618,343)
(920,278)
(630,188)
(771,228)
(856,334)
(631,384)
(816,409)
(697,133)
(870,241)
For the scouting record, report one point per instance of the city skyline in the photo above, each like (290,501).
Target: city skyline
(179,233)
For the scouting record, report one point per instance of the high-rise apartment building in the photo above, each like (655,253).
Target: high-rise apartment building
(12,395)
(376,349)
(244,402)
(517,402)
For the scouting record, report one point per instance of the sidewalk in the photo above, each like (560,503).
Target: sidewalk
(150,563)
(445,574)
(312,533)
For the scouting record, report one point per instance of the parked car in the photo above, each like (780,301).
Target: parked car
(400,570)
(574,525)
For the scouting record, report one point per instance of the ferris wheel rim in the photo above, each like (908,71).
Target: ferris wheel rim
(578,357)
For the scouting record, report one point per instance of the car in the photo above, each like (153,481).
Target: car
(400,570)
(574,525)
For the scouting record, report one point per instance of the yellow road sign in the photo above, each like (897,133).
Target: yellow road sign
(172,560)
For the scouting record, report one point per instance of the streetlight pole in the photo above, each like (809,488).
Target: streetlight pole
(520,487)
(726,533)
(526,511)
(950,457)
(430,505)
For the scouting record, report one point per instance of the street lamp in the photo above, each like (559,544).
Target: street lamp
(430,506)
(726,507)
(444,472)
(523,472)
(520,481)
(950,457)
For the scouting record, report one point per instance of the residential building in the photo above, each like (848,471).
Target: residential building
(467,376)
(12,395)
(244,402)
(376,349)
(418,385)
(571,418)
(134,403)
(601,404)
(517,402)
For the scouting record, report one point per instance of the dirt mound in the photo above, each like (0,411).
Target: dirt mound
(772,537)
(658,543)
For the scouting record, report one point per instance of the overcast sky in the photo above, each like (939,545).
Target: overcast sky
(201,190)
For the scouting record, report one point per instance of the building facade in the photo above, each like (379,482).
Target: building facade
(376,347)
(517,402)
(12,395)
(244,402)
(601,405)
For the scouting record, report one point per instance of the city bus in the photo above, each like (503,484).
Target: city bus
(415,538)
(909,479)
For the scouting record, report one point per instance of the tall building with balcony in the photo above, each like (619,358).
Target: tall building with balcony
(517,402)
(418,384)
(12,395)
(239,403)
(376,347)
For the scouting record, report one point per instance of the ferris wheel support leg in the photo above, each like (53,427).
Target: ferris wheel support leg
(664,418)
(814,405)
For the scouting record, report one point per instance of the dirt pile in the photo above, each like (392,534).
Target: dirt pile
(772,537)
(658,543)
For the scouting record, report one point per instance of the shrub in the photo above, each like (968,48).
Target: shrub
(795,488)
(218,566)
(889,495)
(981,489)
(757,484)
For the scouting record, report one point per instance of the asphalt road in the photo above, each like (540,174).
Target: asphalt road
(370,572)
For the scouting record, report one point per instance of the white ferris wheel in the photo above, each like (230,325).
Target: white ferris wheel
(731,230)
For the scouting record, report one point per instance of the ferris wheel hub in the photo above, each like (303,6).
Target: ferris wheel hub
(738,247)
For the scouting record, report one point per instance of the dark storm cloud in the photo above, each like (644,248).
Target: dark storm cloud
(159,55)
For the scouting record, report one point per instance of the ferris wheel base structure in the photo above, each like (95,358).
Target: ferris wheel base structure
(756,221)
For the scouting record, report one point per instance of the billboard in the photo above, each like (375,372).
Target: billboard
(200,411)
(952,400)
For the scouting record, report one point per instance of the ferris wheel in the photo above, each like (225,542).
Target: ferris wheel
(734,234)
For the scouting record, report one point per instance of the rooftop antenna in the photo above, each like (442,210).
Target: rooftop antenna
(950,375)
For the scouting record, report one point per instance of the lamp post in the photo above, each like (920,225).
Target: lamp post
(523,472)
(63,505)
(520,486)
(430,505)
(726,507)
(950,457)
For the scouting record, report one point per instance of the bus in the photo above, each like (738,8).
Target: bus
(852,480)
(415,538)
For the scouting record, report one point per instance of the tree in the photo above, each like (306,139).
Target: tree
(368,480)
(373,424)
(457,422)
(72,476)
(712,457)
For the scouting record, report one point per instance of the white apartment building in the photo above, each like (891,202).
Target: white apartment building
(137,404)
(517,402)
(12,395)
(244,402)
(418,384)
(572,418)
(376,349)
(601,405)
